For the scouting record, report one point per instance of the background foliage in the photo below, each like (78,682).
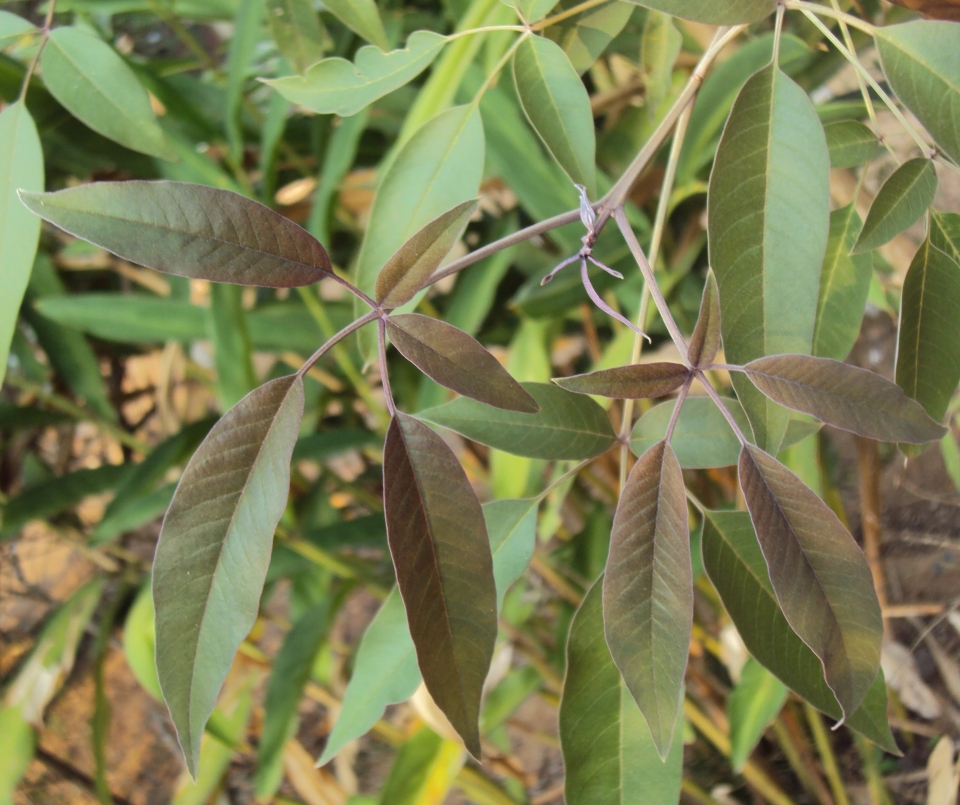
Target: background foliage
(393,134)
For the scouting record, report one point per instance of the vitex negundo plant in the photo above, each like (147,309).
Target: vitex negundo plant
(789,559)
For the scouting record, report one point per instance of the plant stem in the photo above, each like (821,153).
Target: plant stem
(777,33)
(564,15)
(712,393)
(384,374)
(864,92)
(822,741)
(618,194)
(850,57)
(681,399)
(486,29)
(356,324)
(47,22)
(496,70)
(663,211)
(856,22)
(621,218)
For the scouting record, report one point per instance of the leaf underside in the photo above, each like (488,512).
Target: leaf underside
(705,340)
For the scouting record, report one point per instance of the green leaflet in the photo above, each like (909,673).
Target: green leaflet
(928,344)
(754,704)
(569,426)
(902,200)
(214,549)
(439,167)
(385,670)
(922,62)
(727,12)
(97,87)
(945,233)
(140,642)
(17,745)
(585,36)
(21,167)
(702,438)
(337,86)
(558,107)
(658,51)
(735,565)
(608,752)
(850,143)
(769,219)
(362,17)
(290,672)
(720,90)
(297,31)
(648,590)
(844,285)
(12,28)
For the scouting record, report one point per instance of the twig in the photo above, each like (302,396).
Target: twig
(712,394)
(681,399)
(47,23)
(384,374)
(355,325)
(921,144)
(563,15)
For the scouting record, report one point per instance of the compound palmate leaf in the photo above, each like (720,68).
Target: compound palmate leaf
(568,426)
(608,752)
(188,229)
(637,382)
(768,221)
(215,547)
(735,564)
(441,553)
(412,264)
(844,396)
(458,361)
(714,12)
(558,107)
(648,590)
(337,86)
(819,574)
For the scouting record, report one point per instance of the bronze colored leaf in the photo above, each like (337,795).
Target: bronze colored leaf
(648,589)
(636,382)
(819,574)
(188,229)
(441,552)
(412,264)
(458,361)
(844,396)
(934,9)
(705,341)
